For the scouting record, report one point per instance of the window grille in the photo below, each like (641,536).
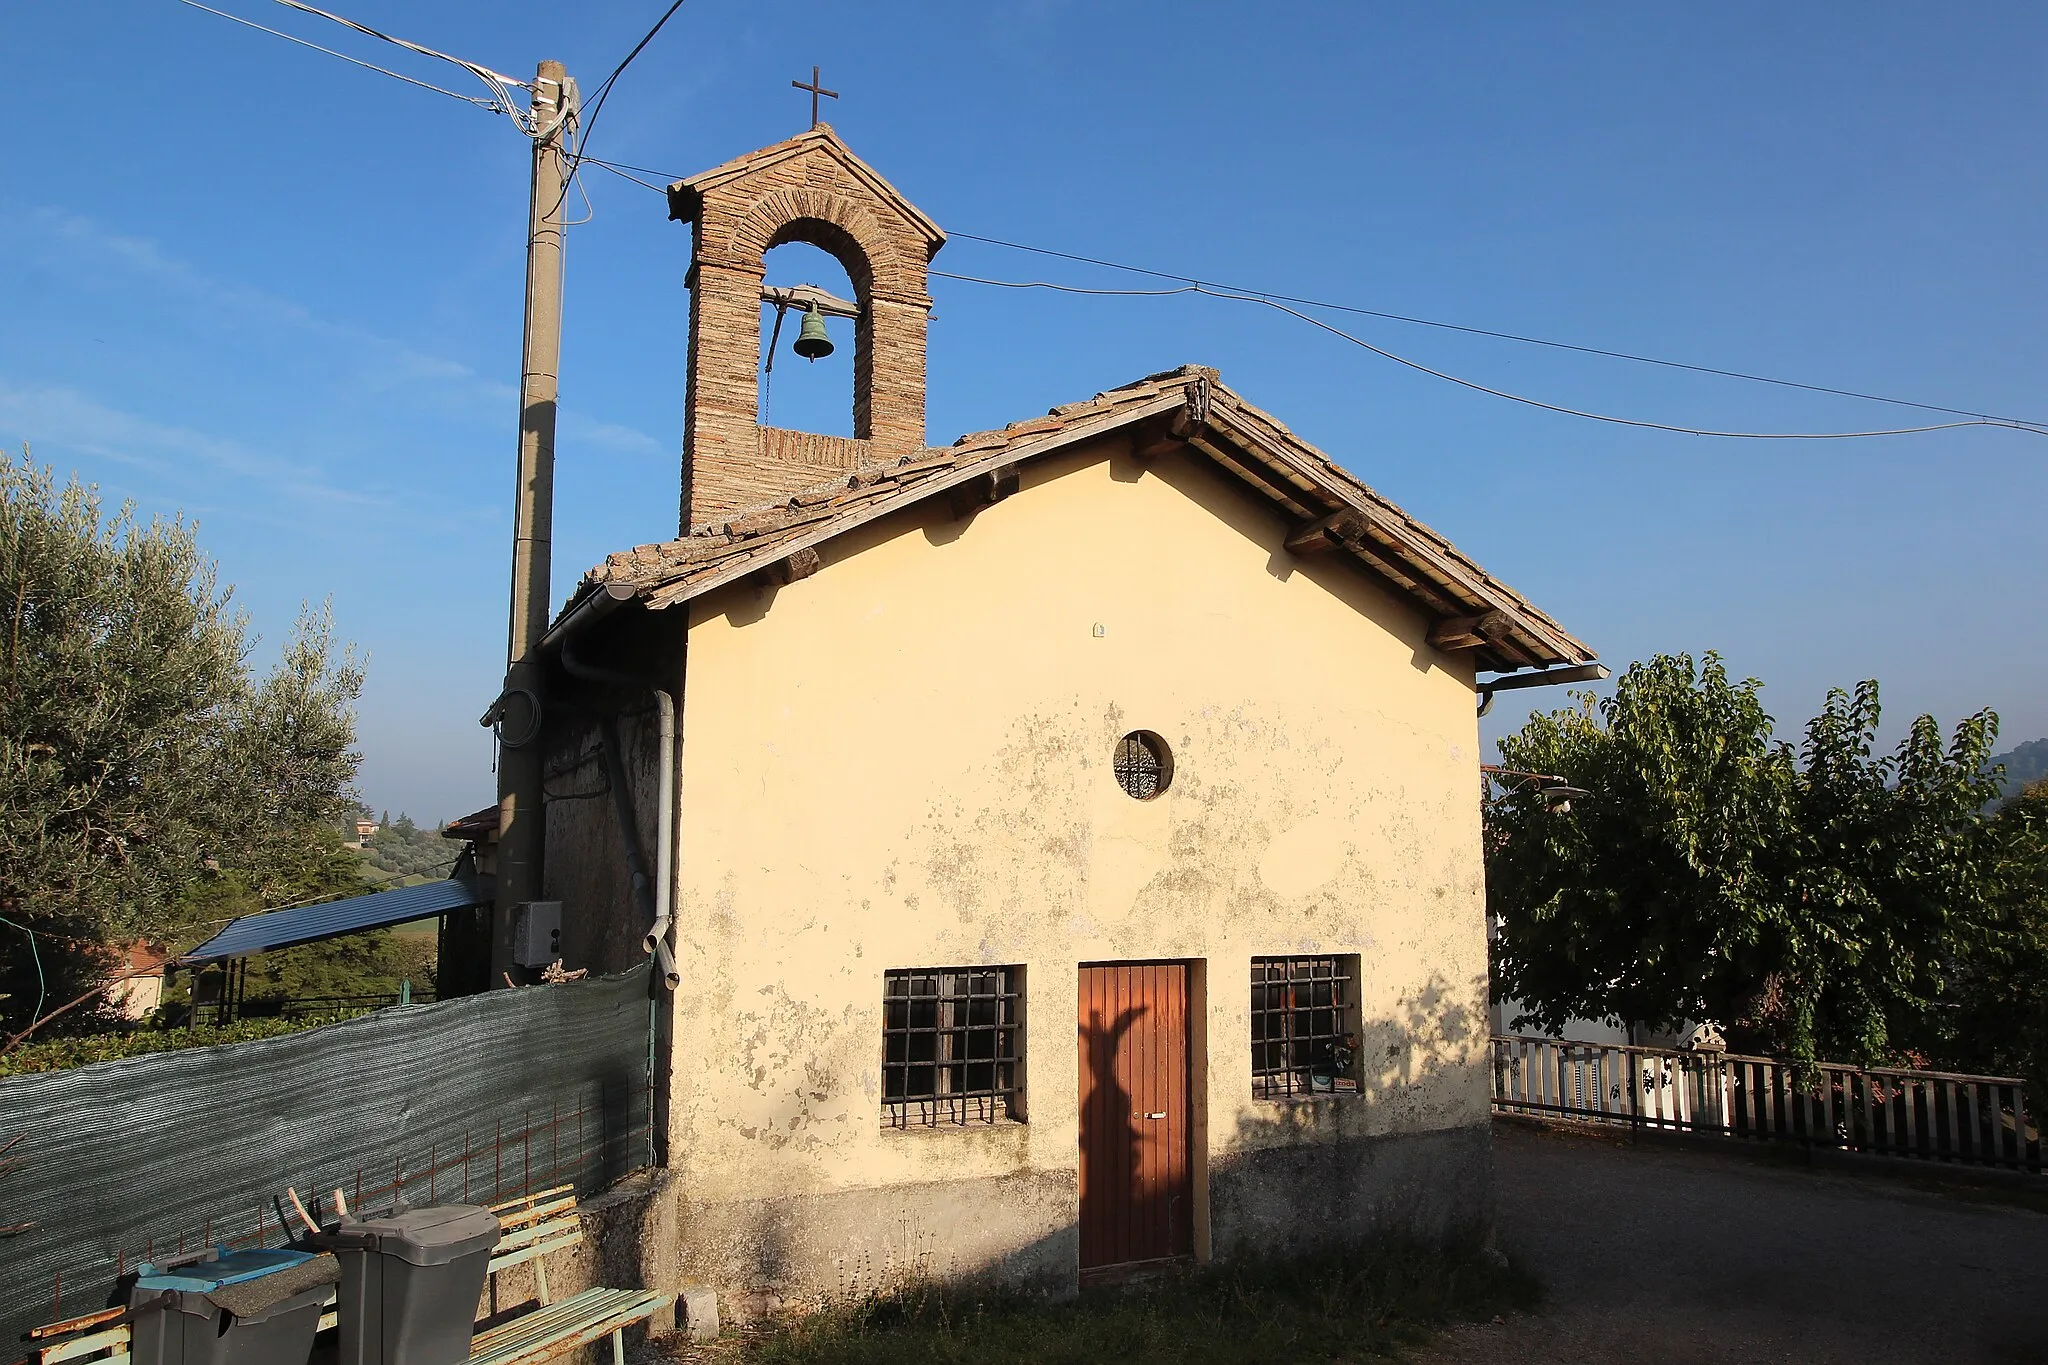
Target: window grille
(1304,1026)
(949,1046)
(1143,765)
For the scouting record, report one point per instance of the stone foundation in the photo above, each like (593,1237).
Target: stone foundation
(1018,1232)
(1437,1186)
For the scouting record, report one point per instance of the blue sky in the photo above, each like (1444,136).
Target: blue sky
(281,294)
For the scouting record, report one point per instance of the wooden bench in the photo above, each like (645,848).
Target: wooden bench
(533,1227)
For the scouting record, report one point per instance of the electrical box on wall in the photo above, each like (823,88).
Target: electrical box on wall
(537,933)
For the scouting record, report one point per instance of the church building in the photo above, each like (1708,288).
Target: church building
(1064,843)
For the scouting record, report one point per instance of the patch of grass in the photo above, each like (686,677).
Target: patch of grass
(1365,1301)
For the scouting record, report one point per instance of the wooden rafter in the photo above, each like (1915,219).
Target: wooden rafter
(1325,533)
(797,565)
(983,490)
(1469,632)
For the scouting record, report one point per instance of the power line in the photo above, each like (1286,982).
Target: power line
(644,170)
(1216,292)
(1190,283)
(1247,293)
(605,89)
(584,124)
(501,85)
(493,106)
(1501,336)
(623,172)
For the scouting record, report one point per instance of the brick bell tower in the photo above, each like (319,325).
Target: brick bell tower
(812,189)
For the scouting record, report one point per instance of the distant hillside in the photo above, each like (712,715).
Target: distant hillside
(2023,765)
(402,853)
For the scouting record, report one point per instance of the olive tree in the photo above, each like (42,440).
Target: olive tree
(139,758)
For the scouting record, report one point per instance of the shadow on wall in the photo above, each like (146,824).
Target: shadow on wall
(1408,1154)
(1109,1122)
(1422,1068)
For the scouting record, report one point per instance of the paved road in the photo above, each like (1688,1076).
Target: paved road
(1677,1257)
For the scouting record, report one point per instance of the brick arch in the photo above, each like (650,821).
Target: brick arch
(836,242)
(833,223)
(730,461)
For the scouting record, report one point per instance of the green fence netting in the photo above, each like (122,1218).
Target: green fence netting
(475,1099)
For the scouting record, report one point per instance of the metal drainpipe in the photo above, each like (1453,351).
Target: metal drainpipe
(656,940)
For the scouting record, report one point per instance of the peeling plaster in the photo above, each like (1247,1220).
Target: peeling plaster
(954,804)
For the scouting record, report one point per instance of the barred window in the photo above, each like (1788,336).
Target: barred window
(950,1039)
(1304,1026)
(1143,765)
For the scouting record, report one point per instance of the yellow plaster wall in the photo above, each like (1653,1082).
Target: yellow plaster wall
(904,761)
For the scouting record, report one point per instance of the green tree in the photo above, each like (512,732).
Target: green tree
(1809,901)
(369,963)
(1993,1017)
(1887,871)
(140,763)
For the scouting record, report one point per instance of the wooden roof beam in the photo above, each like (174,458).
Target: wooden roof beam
(1325,533)
(1469,632)
(797,565)
(983,490)
(1449,573)
(1255,473)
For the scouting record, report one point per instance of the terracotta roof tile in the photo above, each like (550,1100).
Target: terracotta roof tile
(1431,566)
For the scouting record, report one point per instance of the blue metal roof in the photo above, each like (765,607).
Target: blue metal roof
(331,919)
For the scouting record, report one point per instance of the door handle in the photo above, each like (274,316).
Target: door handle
(1160,1115)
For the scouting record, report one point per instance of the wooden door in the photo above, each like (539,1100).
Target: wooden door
(1136,1191)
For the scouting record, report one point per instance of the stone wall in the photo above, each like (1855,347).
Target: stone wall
(1018,1232)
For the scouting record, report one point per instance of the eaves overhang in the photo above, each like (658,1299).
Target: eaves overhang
(1331,514)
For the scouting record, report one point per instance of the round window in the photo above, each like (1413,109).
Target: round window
(1144,765)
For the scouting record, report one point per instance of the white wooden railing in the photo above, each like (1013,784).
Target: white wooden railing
(1927,1115)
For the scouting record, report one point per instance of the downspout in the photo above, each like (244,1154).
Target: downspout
(656,940)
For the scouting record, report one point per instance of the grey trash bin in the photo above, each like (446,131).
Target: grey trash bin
(220,1307)
(410,1282)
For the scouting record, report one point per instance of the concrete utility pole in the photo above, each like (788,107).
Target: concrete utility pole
(521,820)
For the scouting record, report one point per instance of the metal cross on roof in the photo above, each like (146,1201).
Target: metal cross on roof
(816,90)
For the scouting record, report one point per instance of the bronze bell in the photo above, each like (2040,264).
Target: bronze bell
(811,339)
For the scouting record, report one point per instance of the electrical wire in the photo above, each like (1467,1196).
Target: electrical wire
(578,133)
(42,986)
(501,85)
(587,121)
(624,173)
(589,209)
(1247,294)
(1489,332)
(623,166)
(492,106)
(1219,293)
(604,90)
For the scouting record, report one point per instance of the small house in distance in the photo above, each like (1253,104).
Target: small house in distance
(1072,832)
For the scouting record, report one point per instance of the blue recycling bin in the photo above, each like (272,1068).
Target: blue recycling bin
(221,1307)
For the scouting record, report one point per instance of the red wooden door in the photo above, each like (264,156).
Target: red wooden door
(1136,1191)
